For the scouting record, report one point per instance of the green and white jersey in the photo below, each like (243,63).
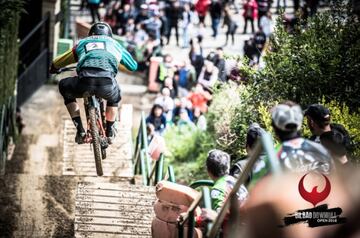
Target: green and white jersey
(103,52)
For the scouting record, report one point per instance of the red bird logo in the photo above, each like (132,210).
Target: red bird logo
(314,197)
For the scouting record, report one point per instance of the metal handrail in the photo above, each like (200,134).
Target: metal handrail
(142,161)
(202,182)
(266,144)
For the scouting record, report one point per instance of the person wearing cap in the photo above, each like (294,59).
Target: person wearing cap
(332,136)
(318,120)
(143,15)
(296,153)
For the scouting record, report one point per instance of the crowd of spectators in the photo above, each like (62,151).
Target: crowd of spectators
(147,25)
(186,85)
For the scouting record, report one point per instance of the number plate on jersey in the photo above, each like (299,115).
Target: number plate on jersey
(95,46)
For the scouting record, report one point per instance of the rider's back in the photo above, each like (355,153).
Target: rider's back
(100,52)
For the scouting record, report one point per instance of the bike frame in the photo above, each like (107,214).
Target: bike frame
(98,104)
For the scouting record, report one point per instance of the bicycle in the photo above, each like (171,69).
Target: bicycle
(96,122)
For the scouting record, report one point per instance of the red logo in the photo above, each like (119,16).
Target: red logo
(314,197)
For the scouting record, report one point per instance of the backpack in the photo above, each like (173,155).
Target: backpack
(343,136)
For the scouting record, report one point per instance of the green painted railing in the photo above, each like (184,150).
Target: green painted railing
(151,172)
(265,144)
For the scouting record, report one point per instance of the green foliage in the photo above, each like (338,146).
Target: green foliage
(187,152)
(229,116)
(318,61)
(9,18)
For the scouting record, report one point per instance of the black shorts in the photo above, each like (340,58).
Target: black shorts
(75,87)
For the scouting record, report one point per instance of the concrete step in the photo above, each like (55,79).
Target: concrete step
(79,159)
(113,210)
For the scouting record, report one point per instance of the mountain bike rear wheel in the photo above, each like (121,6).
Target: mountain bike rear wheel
(95,141)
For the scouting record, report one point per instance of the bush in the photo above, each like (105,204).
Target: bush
(318,61)
(187,152)
(229,115)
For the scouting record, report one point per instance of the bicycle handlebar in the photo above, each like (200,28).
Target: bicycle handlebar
(65,69)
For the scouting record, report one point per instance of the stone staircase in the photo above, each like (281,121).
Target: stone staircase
(113,210)
(108,206)
(79,159)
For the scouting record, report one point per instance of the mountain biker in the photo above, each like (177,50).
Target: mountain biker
(98,58)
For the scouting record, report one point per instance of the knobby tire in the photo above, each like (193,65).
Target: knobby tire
(95,141)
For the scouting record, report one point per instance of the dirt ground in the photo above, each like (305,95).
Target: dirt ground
(36,200)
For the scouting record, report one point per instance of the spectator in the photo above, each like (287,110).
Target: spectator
(259,40)
(173,14)
(123,19)
(150,131)
(143,15)
(253,134)
(295,153)
(209,74)
(233,3)
(333,136)
(196,58)
(199,119)
(263,9)
(130,27)
(250,14)
(93,5)
(141,36)
(153,26)
(200,32)
(218,165)
(250,50)
(231,25)
(139,4)
(171,85)
(287,120)
(186,77)
(183,103)
(318,120)
(184,120)
(164,26)
(201,7)
(157,118)
(216,9)
(166,68)
(166,102)
(267,24)
(199,98)
(220,64)
(188,19)
(153,7)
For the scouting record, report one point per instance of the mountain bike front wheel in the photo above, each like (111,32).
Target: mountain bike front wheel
(95,140)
